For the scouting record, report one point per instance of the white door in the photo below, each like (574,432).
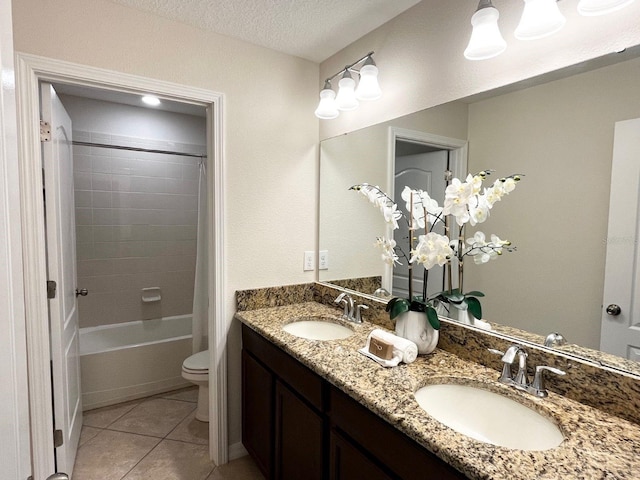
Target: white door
(61,267)
(620,333)
(423,171)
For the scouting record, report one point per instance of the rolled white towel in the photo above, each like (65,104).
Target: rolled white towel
(403,350)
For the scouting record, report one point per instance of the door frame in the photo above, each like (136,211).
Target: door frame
(30,70)
(457,164)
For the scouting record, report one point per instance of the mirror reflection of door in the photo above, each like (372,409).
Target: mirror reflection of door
(620,331)
(422,167)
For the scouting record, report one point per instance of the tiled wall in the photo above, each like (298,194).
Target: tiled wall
(136,227)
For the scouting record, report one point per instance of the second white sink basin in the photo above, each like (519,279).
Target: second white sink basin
(489,417)
(317,329)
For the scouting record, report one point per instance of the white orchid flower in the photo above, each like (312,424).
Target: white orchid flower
(388,248)
(391,215)
(432,249)
(479,210)
(456,200)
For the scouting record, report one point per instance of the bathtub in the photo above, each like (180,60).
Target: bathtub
(125,361)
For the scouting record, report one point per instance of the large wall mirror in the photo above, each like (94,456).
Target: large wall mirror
(559,132)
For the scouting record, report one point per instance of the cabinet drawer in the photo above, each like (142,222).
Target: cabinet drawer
(301,379)
(402,455)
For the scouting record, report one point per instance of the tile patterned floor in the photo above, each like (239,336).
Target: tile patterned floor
(156,438)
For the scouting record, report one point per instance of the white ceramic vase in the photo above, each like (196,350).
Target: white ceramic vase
(415,326)
(465,317)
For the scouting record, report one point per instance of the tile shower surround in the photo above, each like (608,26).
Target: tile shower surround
(136,227)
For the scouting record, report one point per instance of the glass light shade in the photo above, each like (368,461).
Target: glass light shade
(151,100)
(486,40)
(368,88)
(327,108)
(591,8)
(540,18)
(346,99)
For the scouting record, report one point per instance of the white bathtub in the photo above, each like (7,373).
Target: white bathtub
(132,360)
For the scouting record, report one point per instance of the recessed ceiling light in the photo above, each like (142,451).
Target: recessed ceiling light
(151,100)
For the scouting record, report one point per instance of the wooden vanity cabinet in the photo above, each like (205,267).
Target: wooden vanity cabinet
(283,405)
(297,426)
(392,450)
(348,461)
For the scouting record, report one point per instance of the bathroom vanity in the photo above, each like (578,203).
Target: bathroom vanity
(297,425)
(319,409)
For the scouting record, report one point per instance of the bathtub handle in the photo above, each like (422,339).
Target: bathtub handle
(82,292)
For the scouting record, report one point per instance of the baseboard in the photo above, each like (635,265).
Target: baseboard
(91,400)
(237,450)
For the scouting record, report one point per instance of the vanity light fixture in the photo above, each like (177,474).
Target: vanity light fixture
(591,8)
(540,18)
(346,99)
(348,95)
(151,100)
(327,108)
(486,40)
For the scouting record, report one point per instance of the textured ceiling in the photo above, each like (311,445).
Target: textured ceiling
(311,29)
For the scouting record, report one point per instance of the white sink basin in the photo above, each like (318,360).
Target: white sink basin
(489,417)
(317,329)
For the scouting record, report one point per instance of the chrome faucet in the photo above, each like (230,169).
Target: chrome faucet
(349,306)
(521,380)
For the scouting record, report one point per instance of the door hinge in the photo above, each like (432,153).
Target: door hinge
(45,131)
(58,438)
(51,289)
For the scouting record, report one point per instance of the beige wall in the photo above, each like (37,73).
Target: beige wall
(560,135)
(421,62)
(271,134)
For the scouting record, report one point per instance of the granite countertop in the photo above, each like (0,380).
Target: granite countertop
(597,445)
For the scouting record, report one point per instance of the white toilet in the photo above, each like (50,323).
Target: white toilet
(196,369)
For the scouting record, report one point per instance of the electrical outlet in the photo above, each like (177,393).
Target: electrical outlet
(309,261)
(323,260)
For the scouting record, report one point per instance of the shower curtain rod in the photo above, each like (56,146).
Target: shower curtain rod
(136,149)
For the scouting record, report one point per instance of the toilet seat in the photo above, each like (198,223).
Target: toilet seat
(197,364)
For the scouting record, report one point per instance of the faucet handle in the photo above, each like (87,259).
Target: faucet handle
(359,309)
(506,375)
(537,387)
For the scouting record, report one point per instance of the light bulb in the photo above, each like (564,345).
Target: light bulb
(151,100)
(327,109)
(368,88)
(346,98)
(540,18)
(486,40)
(590,8)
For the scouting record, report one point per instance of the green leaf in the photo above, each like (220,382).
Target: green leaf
(401,305)
(474,294)
(455,296)
(432,316)
(475,308)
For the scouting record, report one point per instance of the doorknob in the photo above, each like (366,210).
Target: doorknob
(58,476)
(82,292)
(613,310)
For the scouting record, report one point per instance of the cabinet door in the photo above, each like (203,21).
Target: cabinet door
(349,463)
(257,412)
(299,438)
